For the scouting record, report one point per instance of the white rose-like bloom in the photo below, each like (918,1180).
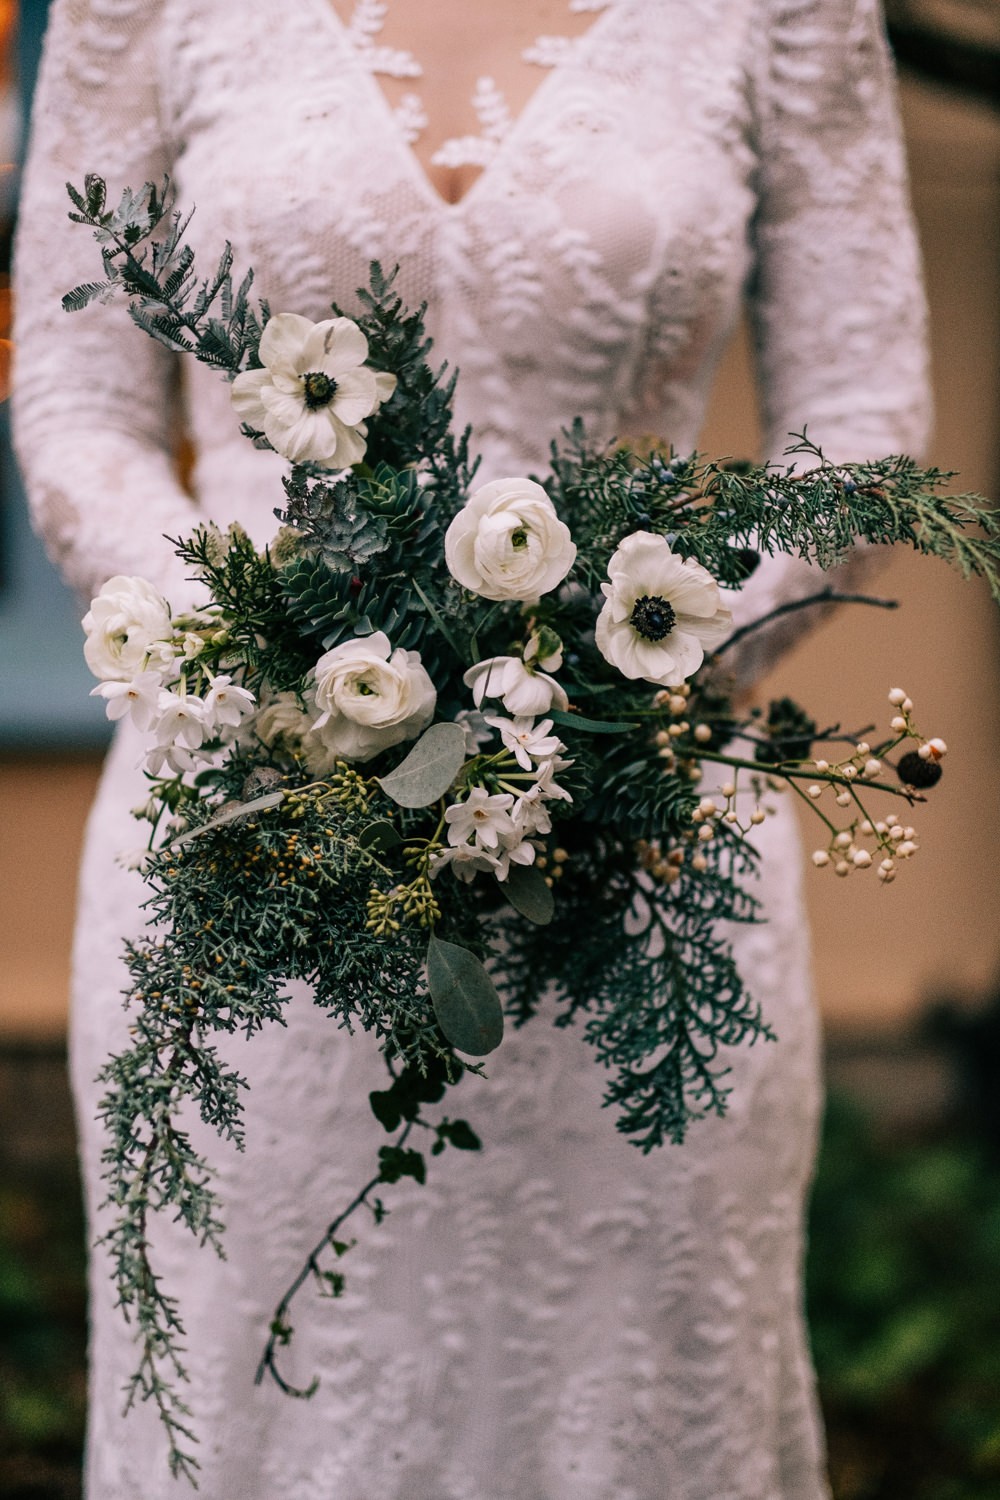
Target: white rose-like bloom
(661,613)
(125,620)
(520,690)
(313,394)
(370,697)
(508,543)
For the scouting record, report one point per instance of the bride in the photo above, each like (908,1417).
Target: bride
(583,191)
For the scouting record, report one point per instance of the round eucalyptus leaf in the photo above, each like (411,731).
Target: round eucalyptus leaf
(429,769)
(527,892)
(465,1000)
(379,836)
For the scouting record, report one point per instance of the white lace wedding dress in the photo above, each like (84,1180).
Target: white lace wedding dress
(562,1318)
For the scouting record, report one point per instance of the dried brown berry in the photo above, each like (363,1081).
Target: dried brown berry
(914,771)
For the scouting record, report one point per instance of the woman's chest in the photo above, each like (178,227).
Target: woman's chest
(606,232)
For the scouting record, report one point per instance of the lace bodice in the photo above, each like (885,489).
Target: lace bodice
(665,162)
(566,1320)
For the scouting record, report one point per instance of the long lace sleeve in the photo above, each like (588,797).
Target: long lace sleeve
(92,409)
(836,301)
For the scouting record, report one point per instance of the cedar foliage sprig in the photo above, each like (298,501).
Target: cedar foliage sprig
(726,515)
(230,930)
(146,258)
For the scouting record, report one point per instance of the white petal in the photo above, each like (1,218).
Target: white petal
(355,398)
(245,395)
(282,340)
(310,437)
(338,345)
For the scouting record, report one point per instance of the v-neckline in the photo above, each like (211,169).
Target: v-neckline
(583,41)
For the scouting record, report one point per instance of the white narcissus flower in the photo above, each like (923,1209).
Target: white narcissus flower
(526,740)
(179,730)
(530,815)
(466,861)
(514,850)
(508,543)
(484,816)
(226,704)
(661,614)
(314,392)
(370,697)
(520,689)
(547,785)
(139,698)
(125,621)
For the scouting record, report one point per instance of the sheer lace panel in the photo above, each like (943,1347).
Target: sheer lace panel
(455,132)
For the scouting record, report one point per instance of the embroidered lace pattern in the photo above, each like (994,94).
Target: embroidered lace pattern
(488,101)
(563,1319)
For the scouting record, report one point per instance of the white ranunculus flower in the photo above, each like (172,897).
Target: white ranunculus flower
(282,723)
(279,717)
(370,697)
(126,619)
(661,614)
(314,392)
(508,543)
(520,689)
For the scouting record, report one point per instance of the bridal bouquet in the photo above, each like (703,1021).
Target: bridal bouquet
(437,721)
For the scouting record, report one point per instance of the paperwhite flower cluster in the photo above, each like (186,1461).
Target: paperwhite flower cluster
(131,644)
(493,830)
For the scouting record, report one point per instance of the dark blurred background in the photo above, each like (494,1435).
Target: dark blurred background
(904,1262)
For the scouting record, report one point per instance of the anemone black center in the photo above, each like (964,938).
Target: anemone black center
(318,389)
(652,617)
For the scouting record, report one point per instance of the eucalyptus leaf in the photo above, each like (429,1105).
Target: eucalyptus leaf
(465,1000)
(527,892)
(380,836)
(229,814)
(429,769)
(590,726)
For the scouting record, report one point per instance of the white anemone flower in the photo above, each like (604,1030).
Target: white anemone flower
(521,689)
(661,614)
(314,392)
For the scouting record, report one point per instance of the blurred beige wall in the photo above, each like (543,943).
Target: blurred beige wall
(880,952)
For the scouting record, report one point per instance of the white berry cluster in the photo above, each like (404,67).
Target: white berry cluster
(866,843)
(675,701)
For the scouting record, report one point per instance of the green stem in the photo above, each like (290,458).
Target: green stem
(787,773)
